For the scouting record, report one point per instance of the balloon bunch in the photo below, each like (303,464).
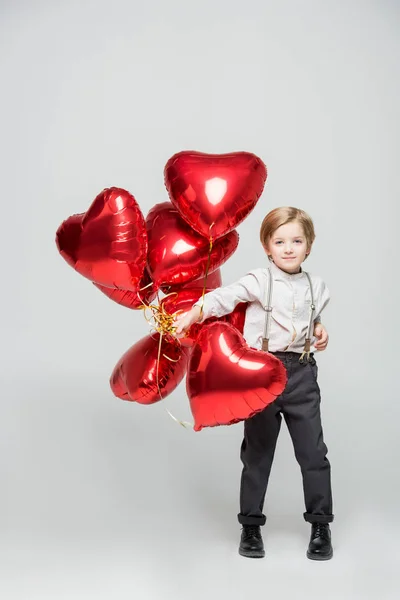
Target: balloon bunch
(178,251)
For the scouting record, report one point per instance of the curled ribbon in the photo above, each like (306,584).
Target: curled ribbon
(164,325)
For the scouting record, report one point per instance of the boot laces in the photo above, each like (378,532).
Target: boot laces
(321,530)
(252,531)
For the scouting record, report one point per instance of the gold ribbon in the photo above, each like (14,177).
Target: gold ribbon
(164,325)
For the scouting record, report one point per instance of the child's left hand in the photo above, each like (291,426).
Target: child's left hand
(322,337)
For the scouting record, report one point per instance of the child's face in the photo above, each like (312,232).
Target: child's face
(288,247)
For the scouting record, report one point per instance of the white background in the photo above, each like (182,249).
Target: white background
(106,499)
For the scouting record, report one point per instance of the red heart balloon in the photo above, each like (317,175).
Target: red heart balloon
(134,300)
(214,192)
(134,377)
(237,317)
(213,281)
(108,243)
(227,380)
(177,254)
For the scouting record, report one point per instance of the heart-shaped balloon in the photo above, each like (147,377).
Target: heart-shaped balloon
(135,376)
(214,192)
(177,254)
(238,316)
(213,281)
(227,380)
(108,243)
(134,300)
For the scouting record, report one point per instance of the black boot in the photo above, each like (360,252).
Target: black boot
(320,547)
(251,543)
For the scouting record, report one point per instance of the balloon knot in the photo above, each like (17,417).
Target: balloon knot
(163,322)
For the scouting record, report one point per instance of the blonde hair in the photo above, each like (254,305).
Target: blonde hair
(286,214)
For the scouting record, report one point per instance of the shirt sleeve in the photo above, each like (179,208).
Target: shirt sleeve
(322,300)
(222,300)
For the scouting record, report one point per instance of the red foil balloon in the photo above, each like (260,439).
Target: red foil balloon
(227,380)
(108,243)
(214,192)
(130,299)
(214,280)
(177,254)
(135,376)
(237,317)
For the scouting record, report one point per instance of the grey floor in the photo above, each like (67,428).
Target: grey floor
(106,499)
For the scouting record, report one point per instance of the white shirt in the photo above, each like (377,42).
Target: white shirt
(291,300)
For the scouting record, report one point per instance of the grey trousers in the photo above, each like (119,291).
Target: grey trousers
(300,406)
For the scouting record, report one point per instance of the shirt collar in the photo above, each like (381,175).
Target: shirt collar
(282,274)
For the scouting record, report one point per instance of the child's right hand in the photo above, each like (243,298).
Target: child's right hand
(184,323)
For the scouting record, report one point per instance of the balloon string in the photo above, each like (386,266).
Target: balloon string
(164,325)
(185,423)
(210,247)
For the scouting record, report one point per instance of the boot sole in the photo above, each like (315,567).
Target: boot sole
(252,553)
(321,557)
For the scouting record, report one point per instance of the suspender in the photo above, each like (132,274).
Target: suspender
(268,310)
(307,345)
